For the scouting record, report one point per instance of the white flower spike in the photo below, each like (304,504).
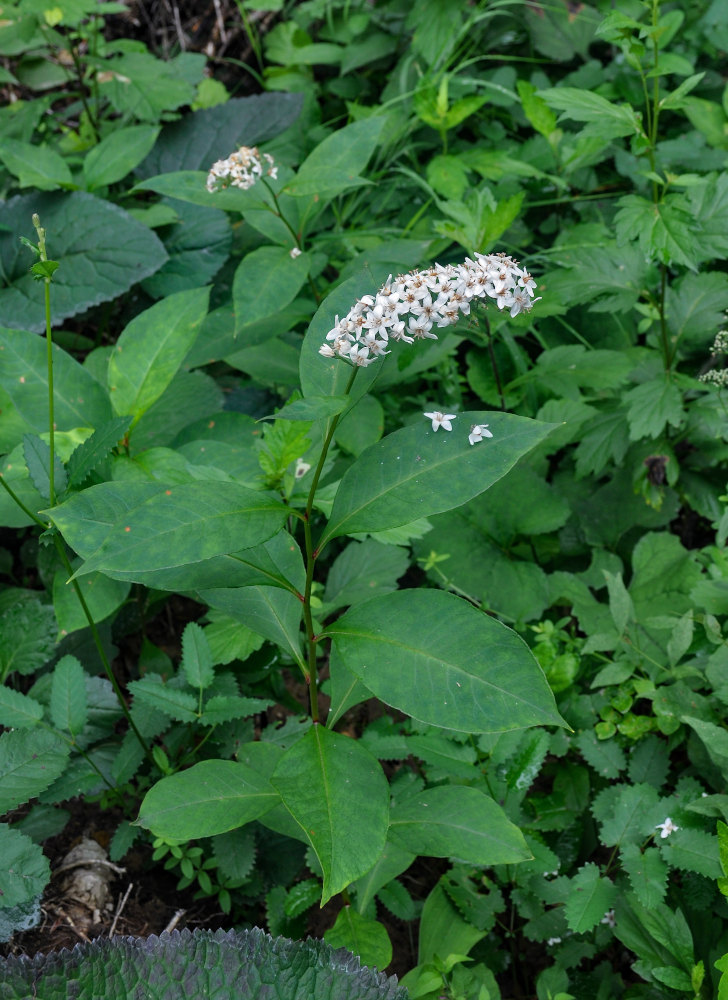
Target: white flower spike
(478,432)
(412,306)
(666,828)
(440,419)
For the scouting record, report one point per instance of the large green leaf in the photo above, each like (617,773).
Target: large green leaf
(361,936)
(79,400)
(126,529)
(590,896)
(266,280)
(152,348)
(102,251)
(416,472)
(336,163)
(457,821)
(219,965)
(117,154)
(270,611)
(436,657)
(24,871)
(197,140)
(198,244)
(337,793)
(211,797)
(30,759)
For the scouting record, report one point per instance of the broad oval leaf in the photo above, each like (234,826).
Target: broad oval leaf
(437,658)
(102,251)
(152,348)
(24,872)
(270,611)
(361,936)
(211,797)
(457,821)
(267,280)
(79,400)
(125,529)
(416,472)
(335,164)
(337,793)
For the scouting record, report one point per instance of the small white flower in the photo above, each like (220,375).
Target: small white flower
(666,828)
(440,419)
(301,468)
(609,919)
(478,432)
(328,352)
(554,940)
(295,252)
(241,169)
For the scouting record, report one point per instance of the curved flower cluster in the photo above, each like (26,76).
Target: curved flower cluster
(412,305)
(241,169)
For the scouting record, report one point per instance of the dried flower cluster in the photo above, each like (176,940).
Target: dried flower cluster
(409,307)
(241,169)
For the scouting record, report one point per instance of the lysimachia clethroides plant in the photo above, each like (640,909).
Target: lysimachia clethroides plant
(252,551)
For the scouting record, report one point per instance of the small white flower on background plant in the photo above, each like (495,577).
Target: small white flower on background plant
(241,169)
(440,419)
(609,919)
(478,432)
(666,828)
(554,940)
(295,252)
(301,468)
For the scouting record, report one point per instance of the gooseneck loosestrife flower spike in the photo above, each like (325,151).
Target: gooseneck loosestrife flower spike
(413,305)
(241,169)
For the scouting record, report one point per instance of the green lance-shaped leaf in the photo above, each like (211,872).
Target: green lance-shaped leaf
(266,280)
(79,400)
(151,349)
(196,657)
(211,797)
(337,793)
(458,821)
(37,454)
(68,695)
(117,154)
(24,871)
(30,760)
(126,529)
(416,472)
(270,611)
(101,594)
(311,408)
(336,163)
(436,657)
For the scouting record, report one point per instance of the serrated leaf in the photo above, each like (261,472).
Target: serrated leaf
(95,449)
(692,851)
(235,853)
(69,709)
(302,896)
(24,871)
(589,898)
(179,705)
(632,817)
(681,638)
(665,230)
(102,251)
(605,756)
(30,760)
(651,406)
(605,120)
(524,766)
(398,901)
(27,637)
(647,873)
(196,657)
(17,710)
(620,603)
(223,708)
(37,456)
(270,611)
(205,961)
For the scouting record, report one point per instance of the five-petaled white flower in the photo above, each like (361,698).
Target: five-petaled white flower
(666,828)
(609,919)
(440,419)
(478,432)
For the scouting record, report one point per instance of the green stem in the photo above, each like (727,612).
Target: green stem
(49,355)
(311,554)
